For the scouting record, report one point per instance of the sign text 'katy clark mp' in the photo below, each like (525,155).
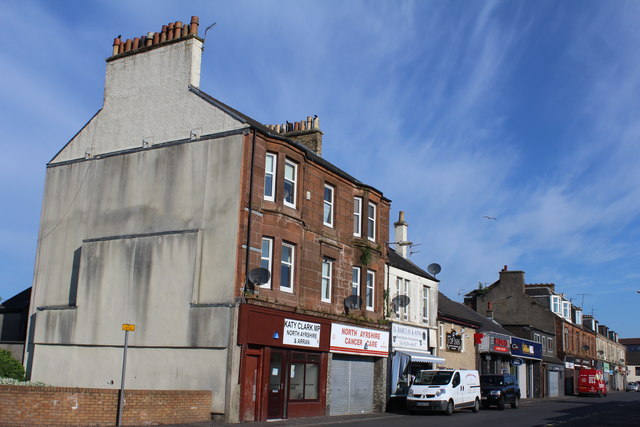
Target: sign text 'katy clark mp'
(354,340)
(297,332)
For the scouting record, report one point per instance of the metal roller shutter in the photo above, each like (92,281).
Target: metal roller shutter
(351,389)
(554,379)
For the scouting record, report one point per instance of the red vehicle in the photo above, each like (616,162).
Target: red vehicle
(591,381)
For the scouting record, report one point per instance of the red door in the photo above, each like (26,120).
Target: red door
(276,390)
(250,386)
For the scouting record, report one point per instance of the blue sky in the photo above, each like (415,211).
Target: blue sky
(523,111)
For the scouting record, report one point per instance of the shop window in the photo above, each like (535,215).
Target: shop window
(304,376)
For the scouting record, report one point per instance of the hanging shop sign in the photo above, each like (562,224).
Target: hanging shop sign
(454,341)
(409,337)
(517,361)
(491,342)
(499,345)
(297,332)
(354,340)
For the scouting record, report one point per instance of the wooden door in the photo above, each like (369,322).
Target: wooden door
(249,389)
(276,390)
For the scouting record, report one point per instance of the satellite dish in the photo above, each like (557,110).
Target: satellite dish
(585,347)
(352,302)
(434,268)
(259,276)
(400,301)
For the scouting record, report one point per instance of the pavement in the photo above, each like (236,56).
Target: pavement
(343,419)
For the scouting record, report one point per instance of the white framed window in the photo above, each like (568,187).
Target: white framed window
(405,314)
(266,258)
(425,304)
(371,279)
(327,217)
(371,222)
(441,335)
(555,304)
(536,337)
(355,281)
(357,216)
(327,267)
(579,317)
(270,163)
(286,267)
(397,309)
(550,343)
(290,181)
(544,343)
(566,310)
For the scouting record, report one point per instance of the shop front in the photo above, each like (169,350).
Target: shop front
(495,352)
(283,364)
(357,369)
(409,355)
(527,366)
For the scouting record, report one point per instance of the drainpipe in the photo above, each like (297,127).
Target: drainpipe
(248,243)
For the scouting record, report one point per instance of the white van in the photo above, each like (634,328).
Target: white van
(444,390)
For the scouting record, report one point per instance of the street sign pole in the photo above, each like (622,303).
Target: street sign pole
(126,328)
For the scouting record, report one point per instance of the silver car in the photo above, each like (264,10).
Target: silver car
(633,386)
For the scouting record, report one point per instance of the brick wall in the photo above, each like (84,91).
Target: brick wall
(62,406)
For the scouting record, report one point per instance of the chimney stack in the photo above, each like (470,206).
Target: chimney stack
(306,132)
(401,232)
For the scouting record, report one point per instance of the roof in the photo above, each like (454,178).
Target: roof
(18,301)
(629,340)
(456,311)
(401,263)
(537,291)
(632,357)
(265,130)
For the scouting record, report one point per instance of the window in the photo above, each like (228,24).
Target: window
(371,222)
(565,341)
(304,376)
(555,304)
(371,277)
(326,280)
(566,310)
(327,218)
(286,267)
(549,343)
(355,281)
(637,370)
(536,337)
(270,176)
(357,216)
(396,306)
(290,177)
(265,258)
(441,335)
(405,310)
(425,304)
(544,342)
(578,317)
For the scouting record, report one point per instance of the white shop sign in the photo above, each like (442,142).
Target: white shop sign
(354,340)
(409,337)
(297,332)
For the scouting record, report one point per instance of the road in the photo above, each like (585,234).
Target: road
(617,409)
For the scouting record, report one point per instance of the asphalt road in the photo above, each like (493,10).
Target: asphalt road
(617,409)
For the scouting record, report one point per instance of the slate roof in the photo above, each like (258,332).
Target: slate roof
(629,340)
(265,130)
(451,309)
(399,262)
(632,357)
(17,302)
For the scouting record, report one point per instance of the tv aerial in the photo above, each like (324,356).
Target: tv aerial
(434,268)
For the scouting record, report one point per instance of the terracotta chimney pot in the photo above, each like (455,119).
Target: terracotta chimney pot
(193,28)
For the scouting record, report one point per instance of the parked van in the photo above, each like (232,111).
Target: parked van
(591,381)
(444,390)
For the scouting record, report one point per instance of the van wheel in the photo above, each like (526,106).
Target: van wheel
(515,403)
(599,393)
(501,403)
(449,410)
(476,405)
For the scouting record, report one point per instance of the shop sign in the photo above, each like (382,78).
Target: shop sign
(354,340)
(569,365)
(454,341)
(526,348)
(409,337)
(517,361)
(499,345)
(304,334)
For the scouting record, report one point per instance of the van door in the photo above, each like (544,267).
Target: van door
(457,389)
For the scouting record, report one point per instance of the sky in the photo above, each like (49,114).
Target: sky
(522,111)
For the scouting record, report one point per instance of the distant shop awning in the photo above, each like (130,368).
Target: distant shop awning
(421,357)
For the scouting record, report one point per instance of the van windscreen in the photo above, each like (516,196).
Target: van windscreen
(433,378)
(497,380)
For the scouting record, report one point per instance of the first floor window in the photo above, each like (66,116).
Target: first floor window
(355,281)
(405,309)
(304,376)
(425,304)
(536,337)
(396,306)
(265,258)
(549,343)
(441,335)
(286,267)
(371,276)
(326,280)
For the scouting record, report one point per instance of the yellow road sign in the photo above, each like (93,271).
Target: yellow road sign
(128,327)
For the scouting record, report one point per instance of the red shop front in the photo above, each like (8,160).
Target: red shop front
(283,365)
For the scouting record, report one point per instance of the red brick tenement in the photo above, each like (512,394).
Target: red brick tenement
(63,406)
(327,223)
